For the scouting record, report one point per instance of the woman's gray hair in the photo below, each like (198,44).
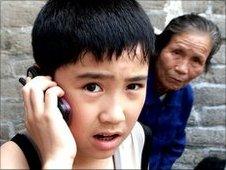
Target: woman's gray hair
(187,23)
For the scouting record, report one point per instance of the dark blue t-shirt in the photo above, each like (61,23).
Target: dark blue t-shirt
(167,118)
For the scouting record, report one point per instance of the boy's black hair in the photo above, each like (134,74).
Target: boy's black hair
(188,23)
(65,30)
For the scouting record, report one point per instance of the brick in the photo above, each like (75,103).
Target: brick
(7,130)
(173,9)
(202,6)
(20,67)
(13,112)
(157,18)
(19,13)
(219,20)
(20,127)
(14,65)
(213,10)
(192,120)
(6,70)
(206,136)
(213,116)
(214,75)
(6,55)
(218,152)
(16,40)
(5,43)
(152,5)
(10,88)
(209,94)
(192,156)
(178,166)
(219,57)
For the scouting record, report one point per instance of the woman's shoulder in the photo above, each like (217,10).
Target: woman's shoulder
(188,94)
(12,157)
(187,89)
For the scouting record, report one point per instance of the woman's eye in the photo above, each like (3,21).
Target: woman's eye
(176,52)
(197,60)
(134,86)
(93,87)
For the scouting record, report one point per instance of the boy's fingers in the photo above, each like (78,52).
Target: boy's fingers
(37,101)
(33,94)
(42,82)
(51,98)
(26,98)
(28,79)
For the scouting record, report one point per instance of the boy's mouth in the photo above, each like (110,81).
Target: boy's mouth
(107,141)
(105,137)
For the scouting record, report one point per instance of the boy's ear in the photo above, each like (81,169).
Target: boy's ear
(36,65)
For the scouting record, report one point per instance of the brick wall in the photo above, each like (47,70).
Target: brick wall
(206,126)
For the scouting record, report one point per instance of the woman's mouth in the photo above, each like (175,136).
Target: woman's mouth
(176,80)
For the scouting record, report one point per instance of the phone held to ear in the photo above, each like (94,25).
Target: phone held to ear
(63,106)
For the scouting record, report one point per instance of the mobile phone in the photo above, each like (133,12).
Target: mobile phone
(63,106)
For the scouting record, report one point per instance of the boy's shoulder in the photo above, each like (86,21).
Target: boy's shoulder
(136,138)
(13,158)
(129,153)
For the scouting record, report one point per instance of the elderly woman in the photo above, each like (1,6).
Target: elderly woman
(184,50)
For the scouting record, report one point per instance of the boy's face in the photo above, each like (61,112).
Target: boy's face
(105,98)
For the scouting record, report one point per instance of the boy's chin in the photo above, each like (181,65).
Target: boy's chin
(104,154)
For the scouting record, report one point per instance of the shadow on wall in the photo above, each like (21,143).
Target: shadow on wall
(211,163)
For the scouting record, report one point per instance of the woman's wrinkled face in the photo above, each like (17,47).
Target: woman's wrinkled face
(182,60)
(105,98)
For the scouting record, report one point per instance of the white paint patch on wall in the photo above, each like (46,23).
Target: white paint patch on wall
(173,9)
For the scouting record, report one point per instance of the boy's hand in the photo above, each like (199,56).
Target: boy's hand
(45,123)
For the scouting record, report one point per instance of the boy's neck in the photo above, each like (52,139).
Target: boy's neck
(84,163)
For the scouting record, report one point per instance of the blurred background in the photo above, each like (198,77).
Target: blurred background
(206,125)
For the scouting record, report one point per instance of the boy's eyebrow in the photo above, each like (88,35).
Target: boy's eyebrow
(95,76)
(109,76)
(137,78)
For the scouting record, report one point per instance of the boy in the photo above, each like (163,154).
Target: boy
(94,54)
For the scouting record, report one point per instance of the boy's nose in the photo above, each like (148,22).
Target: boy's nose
(113,114)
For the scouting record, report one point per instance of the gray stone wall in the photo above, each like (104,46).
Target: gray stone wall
(206,126)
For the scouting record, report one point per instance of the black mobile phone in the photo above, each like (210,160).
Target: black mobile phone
(64,107)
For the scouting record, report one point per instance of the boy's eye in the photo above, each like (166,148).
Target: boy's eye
(93,87)
(134,86)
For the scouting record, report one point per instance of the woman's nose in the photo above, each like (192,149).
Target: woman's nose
(182,67)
